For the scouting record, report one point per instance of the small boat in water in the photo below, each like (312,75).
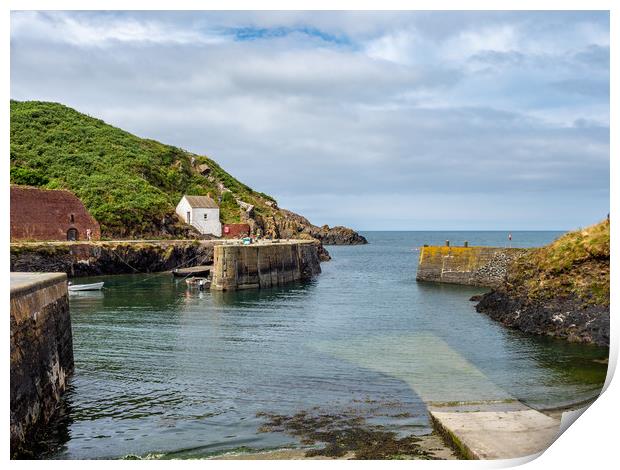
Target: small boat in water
(201,271)
(83,287)
(199,282)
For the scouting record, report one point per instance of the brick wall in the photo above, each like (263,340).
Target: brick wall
(40,214)
(235,230)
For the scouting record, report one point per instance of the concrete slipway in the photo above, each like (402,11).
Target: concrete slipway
(475,415)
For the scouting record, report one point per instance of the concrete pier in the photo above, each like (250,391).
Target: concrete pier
(500,431)
(476,416)
(41,352)
(264,264)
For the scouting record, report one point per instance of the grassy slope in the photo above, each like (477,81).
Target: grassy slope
(127,183)
(575,264)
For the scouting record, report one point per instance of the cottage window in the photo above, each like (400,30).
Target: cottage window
(72,218)
(189,217)
(205,216)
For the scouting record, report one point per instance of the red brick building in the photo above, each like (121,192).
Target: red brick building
(235,230)
(43,214)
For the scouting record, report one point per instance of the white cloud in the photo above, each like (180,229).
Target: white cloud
(502,38)
(387,110)
(87,30)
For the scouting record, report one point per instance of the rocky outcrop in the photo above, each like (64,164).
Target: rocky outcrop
(337,235)
(291,225)
(88,259)
(561,290)
(170,226)
(323,253)
(565,317)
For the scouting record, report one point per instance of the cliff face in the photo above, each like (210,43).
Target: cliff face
(560,290)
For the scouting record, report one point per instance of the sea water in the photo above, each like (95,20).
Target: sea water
(165,371)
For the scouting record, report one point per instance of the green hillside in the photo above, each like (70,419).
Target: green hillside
(130,185)
(575,264)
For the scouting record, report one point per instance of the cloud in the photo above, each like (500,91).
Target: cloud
(87,30)
(373,120)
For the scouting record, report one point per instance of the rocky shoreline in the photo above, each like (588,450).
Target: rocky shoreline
(288,224)
(78,259)
(566,318)
(97,258)
(560,290)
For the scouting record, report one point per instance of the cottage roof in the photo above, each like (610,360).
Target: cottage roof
(202,202)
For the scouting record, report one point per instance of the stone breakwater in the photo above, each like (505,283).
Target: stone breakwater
(264,264)
(122,257)
(474,266)
(562,316)
(41,353)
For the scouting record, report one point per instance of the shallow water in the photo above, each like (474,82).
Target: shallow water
(166,372)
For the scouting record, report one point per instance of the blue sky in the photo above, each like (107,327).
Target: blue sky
(376,120)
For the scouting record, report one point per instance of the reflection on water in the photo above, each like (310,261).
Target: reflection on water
(165,371)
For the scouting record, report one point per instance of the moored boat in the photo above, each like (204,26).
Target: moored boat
(201,271)
(83,287)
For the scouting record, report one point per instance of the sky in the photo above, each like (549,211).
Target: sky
(374,120)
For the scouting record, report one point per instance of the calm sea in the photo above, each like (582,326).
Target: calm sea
(162,371)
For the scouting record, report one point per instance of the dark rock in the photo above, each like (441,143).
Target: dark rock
(89,259)
(560,290)
(323,253)
(475,298)
(564,317)
(338,236)
(292,225)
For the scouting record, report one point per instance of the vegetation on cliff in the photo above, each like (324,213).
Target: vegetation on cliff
(574,264)
(129,184)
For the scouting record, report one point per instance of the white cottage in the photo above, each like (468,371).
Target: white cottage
(202,212)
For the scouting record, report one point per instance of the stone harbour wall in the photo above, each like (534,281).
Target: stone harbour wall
(41,353)
(474,266)
(264,265)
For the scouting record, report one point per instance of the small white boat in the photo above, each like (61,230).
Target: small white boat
(81,287)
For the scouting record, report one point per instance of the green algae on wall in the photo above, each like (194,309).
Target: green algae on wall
(475,266)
